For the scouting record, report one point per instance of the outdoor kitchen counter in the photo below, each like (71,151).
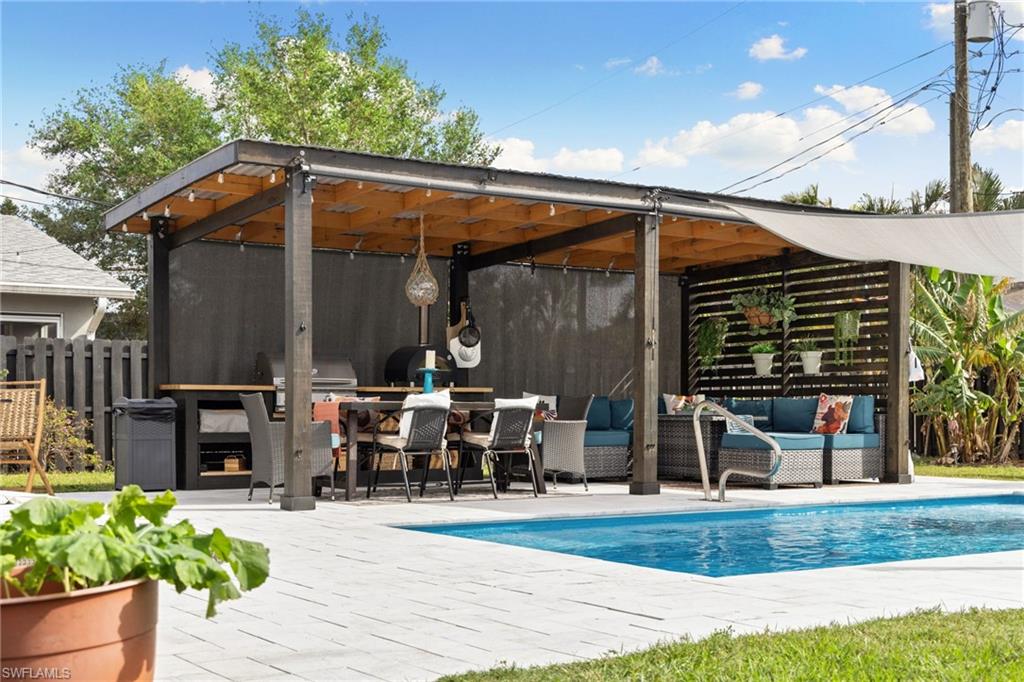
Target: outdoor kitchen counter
(351,409)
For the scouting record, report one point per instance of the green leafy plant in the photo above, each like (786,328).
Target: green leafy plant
(763,347)
(846,333)
(805,346)
(69,542)
(711,339)
(764,308)
(65,444)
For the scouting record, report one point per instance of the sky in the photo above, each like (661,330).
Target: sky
(691,95)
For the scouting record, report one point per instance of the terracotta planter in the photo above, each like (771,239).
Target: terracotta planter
(100,633)
(758,318)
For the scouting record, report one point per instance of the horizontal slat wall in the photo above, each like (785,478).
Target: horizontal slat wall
(87,376)
(821,289)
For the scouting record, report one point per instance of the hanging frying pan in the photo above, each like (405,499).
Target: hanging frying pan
(464,339)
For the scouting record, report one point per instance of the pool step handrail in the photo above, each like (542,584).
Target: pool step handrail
(724,476)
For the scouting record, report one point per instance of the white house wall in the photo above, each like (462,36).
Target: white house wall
(76,310)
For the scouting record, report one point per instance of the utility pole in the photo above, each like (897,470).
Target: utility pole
(961,194)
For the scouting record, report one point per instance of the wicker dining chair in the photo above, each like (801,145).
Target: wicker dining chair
(563,449)
(267,441)
(428,427)
(509,435)
(22,405)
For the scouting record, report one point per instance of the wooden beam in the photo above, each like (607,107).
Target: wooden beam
(237,212)
(159,292)
(897,420)
(556,242)
(645,357)
(298,341)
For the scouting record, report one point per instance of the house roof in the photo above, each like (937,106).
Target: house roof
(33,262)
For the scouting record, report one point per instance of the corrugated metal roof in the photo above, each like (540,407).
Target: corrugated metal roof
(32,261)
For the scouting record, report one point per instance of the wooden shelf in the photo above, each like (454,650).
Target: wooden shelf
(243,472)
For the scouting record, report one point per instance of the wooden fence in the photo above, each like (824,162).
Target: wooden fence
(87,376)
(820,290)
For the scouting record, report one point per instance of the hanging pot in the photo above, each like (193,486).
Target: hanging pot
(469,335)
(756,317)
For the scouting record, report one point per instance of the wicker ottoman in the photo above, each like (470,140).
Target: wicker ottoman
(802,458)
(606,461)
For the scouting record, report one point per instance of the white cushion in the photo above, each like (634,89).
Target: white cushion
(507,403)
(549,400)
(437,399)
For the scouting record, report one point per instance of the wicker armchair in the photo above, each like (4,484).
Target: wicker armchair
(563,449)
(267,440)
(22,405)
(846,464)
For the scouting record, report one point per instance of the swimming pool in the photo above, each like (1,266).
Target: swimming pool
(769,540)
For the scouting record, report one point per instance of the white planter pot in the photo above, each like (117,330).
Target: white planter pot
(811,360)
(763,364)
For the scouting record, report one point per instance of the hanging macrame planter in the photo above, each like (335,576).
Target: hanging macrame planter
(421,288)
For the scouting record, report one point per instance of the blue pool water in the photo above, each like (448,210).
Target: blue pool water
(770,540)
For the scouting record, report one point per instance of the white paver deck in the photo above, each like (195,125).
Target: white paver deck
(350,597)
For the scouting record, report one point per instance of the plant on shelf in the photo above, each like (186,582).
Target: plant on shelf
(711,339)
(846,333)
(99,565)
(763,354)
(810,355)
(764,308)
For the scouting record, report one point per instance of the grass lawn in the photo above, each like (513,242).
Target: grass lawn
(928,645)
(62,481)
(1007,472)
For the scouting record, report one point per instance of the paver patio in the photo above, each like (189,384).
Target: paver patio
(350,597)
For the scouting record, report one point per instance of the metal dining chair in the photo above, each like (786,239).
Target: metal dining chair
(427,429)
(267,441)
(509,434)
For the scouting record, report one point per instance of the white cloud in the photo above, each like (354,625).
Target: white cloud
(616,62)
(701,69)
(865,100)
(750,140)
(747,90)
(520,154)
(774,47)
(652,67)
(199,80)
(26,166)
(579,67)
(1006,135)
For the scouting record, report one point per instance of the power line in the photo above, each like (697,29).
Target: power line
(55,194)
(27,201)
(615,73)
(826,95)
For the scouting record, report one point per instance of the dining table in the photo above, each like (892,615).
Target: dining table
(349,415)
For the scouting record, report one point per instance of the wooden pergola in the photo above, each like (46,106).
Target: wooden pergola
(307,197)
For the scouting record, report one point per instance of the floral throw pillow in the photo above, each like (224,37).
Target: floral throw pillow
(833,414)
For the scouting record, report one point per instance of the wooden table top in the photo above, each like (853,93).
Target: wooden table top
(387,405)
(254,388)
(419,389)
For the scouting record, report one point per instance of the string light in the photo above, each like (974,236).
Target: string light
(359,185)
(238,238)
(145,215)
(551,210)
(167,210)
(429,192)
(191,196)
(124,227)
(608,272)
(565,264)
(490,200)
(220,178)
(402,258)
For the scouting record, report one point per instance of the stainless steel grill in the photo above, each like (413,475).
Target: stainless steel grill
(331,374)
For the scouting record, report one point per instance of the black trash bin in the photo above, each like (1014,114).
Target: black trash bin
(144,451)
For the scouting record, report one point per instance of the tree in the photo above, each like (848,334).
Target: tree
(808,197)
(934,193)
(8,207)
(879,204)
(112,141)
(303,87)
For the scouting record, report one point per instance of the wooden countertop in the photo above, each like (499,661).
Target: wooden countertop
(255,388)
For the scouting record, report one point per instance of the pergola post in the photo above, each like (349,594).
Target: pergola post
(298,343)
(158,352)
(897,421)
(645,356)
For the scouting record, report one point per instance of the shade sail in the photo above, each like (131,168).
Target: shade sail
(976,243)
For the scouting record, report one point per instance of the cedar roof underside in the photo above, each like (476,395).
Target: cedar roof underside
(353,215)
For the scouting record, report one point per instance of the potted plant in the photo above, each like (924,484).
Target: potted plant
(763,353)
(711,339)
(79,581)
(846,333)
(764,309)
(810,356)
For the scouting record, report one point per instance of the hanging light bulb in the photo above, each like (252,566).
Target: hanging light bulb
(402,258)
(608,272)
(273,177)
(145,215)
(551,210)
(429,192)
(220,178)
(191,196)
(490,200)
(565,264)
(167,210)
(359,185)
(238,238)
(124,227)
